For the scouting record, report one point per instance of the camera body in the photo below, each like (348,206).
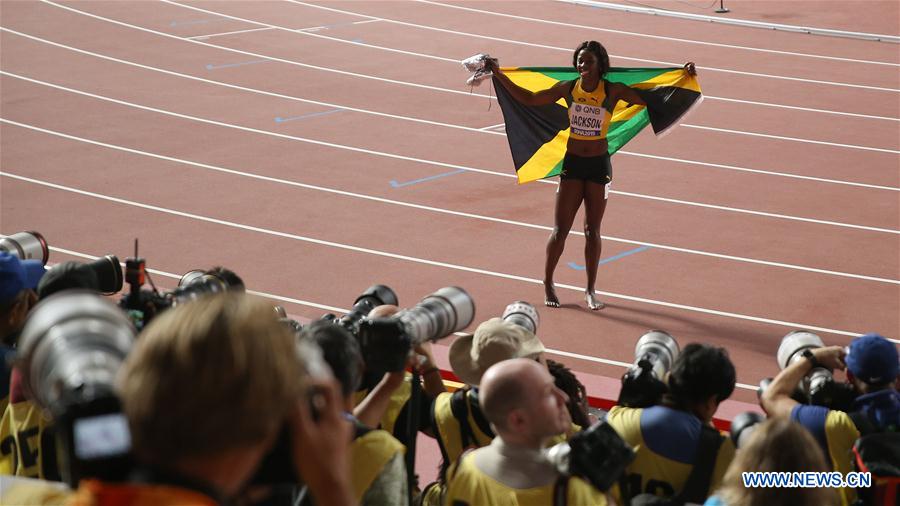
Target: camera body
(143,305)
(598,454)
(386,342)
(643,385)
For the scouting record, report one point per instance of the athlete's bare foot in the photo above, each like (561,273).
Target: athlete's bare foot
(592,303)
(550,298)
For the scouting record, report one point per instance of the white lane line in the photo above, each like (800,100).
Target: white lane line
(224,48)
(429,162)
(430,122)
(312,28)
(310,32)
(794,139)
(492,127)
(340,310)
(798,108)
(204,37)
(438,209)
(424,261)
(569,50)
(281,60)
(660,37)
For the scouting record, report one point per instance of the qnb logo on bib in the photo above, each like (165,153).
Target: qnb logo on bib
(586,120)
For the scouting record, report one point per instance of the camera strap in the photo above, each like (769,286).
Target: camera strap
(459,406)
(561,491)
(478,416)
(696,488)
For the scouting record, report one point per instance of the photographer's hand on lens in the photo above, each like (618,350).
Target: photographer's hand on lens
(831,357)
(321,445)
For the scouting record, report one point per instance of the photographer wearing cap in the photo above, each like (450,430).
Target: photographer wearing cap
(377,468)
(872,366)
(527,410)
(679,454)
(19,449)
(206,390)
(458,419)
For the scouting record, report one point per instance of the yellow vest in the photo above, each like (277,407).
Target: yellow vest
(369,454)
(469,486)
(22,449)
(653,473)
(399,398)
(454,438)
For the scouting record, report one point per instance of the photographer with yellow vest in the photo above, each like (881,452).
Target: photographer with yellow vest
(377,467)
(527,410)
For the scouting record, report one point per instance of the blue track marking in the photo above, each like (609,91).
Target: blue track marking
(210,66)
(579,267)
(395,184)
(279,119)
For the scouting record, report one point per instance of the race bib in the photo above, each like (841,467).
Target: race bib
(586,120)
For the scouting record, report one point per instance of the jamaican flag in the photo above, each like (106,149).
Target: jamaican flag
(538,134)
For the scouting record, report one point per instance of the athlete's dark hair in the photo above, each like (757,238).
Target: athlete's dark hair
(566,381)
(700,371)
(597,49)
(340,350)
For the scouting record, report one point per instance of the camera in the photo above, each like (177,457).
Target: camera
(643,385)
(522,314)
(598,454)
(71,349)
(743,425)
(374,296)
(143,305)
(386,342)
(819,386)
(26,245)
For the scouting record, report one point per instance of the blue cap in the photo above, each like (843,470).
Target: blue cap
(873,359)
(17,275)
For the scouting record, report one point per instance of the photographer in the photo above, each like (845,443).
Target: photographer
(526,409)
(377,469)
(21,423)
(680,455)
(458,420)
(32,427)
(871,363)
(384,401)
(206,390)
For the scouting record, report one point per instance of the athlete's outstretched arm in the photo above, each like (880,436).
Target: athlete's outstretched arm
(523,95)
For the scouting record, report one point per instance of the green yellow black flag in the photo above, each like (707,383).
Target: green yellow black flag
(538,134)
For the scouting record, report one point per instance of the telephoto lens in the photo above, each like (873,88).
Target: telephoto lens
(819,386)
(197,283)
(522,314)
(660,349)
(72,347)
(26,245)
(643,385)
(109,274)
(438,315)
